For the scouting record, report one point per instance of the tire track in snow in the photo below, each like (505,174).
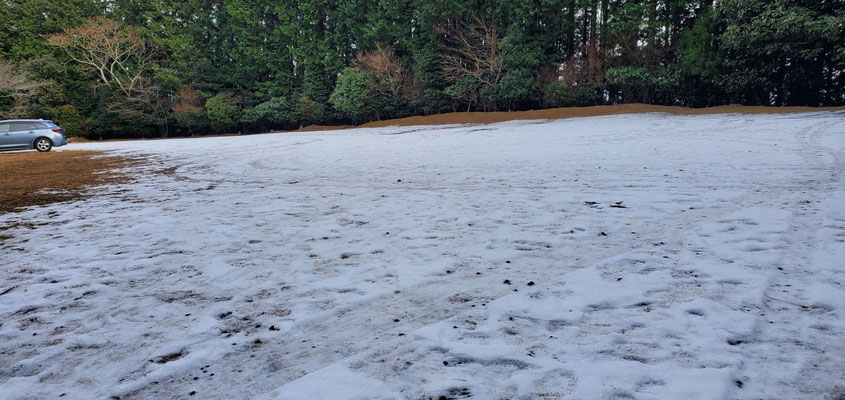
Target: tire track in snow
(786,290)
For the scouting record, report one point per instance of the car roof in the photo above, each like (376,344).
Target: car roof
(25,120)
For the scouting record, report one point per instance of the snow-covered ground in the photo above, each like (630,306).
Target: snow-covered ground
(624,257)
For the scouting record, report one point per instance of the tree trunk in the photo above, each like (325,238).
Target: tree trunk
(593,18)
(603,29)
(570,37)
(585,27)
(651,40)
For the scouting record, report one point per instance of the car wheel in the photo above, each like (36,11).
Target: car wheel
(43,145)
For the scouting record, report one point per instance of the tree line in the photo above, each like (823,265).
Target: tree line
(126,68)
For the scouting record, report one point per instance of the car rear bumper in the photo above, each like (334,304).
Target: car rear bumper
(59,140)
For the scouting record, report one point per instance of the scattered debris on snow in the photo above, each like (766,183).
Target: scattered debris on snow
(298,266)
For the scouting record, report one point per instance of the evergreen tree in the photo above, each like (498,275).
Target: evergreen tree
(248,65)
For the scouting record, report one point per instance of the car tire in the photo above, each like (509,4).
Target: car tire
(43,145)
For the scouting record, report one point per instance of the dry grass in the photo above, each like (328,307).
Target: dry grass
(315,128)
(32,178)
(572,112)
(312,128)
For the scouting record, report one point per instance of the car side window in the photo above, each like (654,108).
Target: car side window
(22,126)
(40,125)
(4,127)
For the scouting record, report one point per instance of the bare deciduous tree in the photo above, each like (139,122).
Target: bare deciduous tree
(391,77)
(120,58)
(14,83)
(189,102)
(114,51)
(16,87)
(583,68)
(472,52)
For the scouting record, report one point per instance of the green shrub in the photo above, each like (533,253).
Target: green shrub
(558,94)
(639,84)
(310,111)
(274,112)
(222,110)
(588,94)
(435,101)
(352,95)
(518,89)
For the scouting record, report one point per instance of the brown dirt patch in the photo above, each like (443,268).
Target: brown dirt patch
(573,112)
(313,128)
(166,171)
(32,178)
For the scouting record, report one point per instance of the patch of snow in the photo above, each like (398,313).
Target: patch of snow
(622,257)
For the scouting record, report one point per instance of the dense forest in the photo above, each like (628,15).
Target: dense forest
(128,68)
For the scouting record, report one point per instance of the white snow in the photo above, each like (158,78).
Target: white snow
(379,257)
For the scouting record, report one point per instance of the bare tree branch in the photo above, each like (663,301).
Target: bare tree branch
(472,52)
(14,83)
(391,77)
(114,51)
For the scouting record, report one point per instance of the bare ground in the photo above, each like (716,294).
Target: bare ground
(573,112)
(32,178)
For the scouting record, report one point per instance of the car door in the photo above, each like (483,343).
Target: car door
(41,129)
(5,135)
(22,134)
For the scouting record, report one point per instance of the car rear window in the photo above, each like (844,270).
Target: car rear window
(22,126)
(4,127)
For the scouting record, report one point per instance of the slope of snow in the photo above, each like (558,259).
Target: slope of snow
(623,257)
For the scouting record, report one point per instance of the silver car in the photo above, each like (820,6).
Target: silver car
(38,134)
